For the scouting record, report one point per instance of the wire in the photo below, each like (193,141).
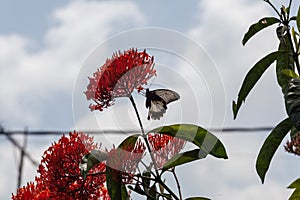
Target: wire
(22,159)
(224,130)
(26,133)
(26,154)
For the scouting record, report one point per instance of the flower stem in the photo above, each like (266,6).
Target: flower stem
(167,188)
(177,182)
(149,188)
(157,177)
(143,134)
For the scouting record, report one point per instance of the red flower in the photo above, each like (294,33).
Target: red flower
(118,77)
(59,169)
(293,146)
(164,147)
(60,177)
(126,160)
(33,191)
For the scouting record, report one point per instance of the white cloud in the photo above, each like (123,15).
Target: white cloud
(236,177)
(221,28)
(29,79)
(36,86)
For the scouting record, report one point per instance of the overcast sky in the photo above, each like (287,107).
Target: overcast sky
(49,48)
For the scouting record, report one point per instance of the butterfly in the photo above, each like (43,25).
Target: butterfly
(157,100)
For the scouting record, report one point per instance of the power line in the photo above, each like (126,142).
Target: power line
(243,129)
(22,158)
(48,132)
(26,133)
(25,153)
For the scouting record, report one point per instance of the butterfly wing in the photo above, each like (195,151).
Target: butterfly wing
(157,101)
(167,95)
(156,110)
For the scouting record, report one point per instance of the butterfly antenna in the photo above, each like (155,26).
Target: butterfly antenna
(150,84)
(143,92)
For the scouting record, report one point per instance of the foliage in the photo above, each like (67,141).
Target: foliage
(287,74)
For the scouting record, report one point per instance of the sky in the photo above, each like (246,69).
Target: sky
(49,48)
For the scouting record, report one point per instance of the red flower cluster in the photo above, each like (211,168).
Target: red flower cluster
(33,191)
(293,146)
(164,147)
(60,176)
(118,77)
(126,160)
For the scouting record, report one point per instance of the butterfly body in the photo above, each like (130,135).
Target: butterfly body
(157,100)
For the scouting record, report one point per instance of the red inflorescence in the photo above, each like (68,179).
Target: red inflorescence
(164,147)
(293,146)
(33,191)
(126,160)
(118,77)
(60,176)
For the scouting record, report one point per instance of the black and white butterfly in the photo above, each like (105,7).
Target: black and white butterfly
(157,100)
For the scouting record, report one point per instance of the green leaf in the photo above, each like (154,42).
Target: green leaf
(293,132)
(137,189)
(114,183)
(284,62)
(260,25)
(294,35)
(289,73)
(116,190)
(152,193)
(295,185)
(252,77)
(206,141)
(90,160)
(284,10)
(295,195)
(270,146)
(129,142)
(197,198)
(124,193)
(298,19)
(184,157)
(167,196)
(161,187)
(146,175)
(292,101)
(293,18)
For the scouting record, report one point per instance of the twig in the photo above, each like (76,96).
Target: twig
(158,179)
(140,183)
(20,148)
(274,9)
(177,182)
(295,55)
(290,3)
(144,135)
(22,159)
